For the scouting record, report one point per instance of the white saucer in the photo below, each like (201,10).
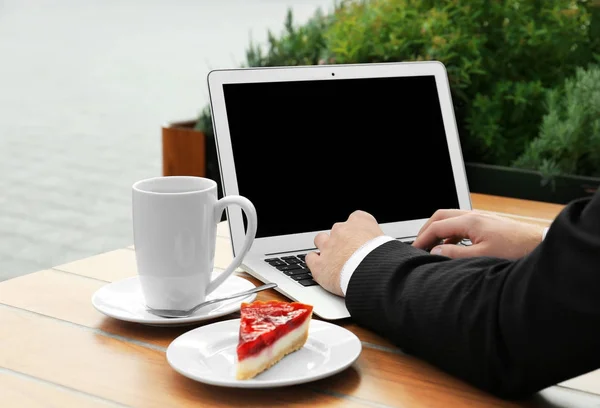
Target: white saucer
(124,300)
(208,354)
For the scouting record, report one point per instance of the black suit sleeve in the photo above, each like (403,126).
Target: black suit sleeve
(509,327)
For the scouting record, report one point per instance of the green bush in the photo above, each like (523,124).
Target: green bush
(530,49)
(569,140)
(409,30)
(502,57)
(302,45)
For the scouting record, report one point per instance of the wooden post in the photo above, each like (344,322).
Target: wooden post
(183,150)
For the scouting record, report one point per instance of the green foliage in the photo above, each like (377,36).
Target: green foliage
(297,45)
(502,57)
(204,121)
(409,30)
(531,47)
(501,122)
(569,140)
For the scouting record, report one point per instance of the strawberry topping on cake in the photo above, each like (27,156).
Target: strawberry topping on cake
(269,331)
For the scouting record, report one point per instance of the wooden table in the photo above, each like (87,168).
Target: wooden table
(57,350)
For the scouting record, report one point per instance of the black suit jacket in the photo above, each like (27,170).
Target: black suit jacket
(508,327)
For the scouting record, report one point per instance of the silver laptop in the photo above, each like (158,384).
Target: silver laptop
(309,145)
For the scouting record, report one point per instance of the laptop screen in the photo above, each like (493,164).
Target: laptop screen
(309,153)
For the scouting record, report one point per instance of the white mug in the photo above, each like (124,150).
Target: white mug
(174,231)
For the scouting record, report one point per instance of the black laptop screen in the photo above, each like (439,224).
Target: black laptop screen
(309,153)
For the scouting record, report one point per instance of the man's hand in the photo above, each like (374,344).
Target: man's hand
(491,235)
(337,248)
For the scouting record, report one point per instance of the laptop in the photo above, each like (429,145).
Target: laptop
(308,145)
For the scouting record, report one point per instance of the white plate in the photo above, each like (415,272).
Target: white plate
(208,354)
(124,300)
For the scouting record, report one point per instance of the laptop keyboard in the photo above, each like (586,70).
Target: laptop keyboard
(294,268)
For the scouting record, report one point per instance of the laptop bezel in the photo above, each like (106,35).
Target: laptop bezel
(304,240)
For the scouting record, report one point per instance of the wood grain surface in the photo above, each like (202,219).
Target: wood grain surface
(19,390)
(520,209)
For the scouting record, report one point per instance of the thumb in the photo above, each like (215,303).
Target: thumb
(454,251)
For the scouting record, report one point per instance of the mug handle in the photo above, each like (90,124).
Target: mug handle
(250,212)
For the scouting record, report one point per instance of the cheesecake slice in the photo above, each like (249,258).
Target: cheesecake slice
(269,331)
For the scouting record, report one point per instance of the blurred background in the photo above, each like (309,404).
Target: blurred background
(95,95)
(84,89)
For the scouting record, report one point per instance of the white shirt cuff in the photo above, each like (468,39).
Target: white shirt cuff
(544,233)
(357,257)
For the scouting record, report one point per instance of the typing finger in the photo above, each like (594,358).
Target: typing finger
(443,229)
(456,251)
(441,215)
(452,240)
(312,260)
(321,239)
